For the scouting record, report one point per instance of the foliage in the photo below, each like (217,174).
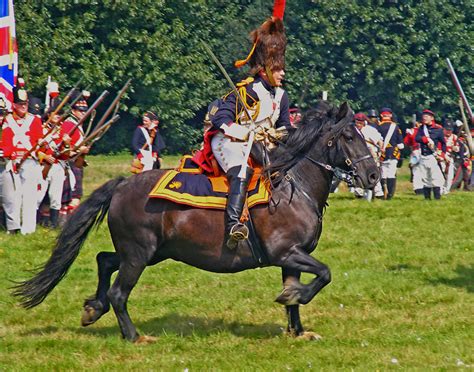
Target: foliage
(372,53)
(401,296)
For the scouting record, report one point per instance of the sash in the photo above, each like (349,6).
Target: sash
(387,139)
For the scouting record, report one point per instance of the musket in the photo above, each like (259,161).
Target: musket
(466,127)
(458,86)
(50,131)
(243,168)
(94,137)
(113,105)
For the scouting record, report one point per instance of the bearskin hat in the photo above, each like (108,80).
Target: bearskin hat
(269,43)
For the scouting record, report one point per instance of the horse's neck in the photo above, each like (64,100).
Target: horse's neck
(310,179)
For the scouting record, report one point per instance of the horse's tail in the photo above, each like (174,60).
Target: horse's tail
(74,233)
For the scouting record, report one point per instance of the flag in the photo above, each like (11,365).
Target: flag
(8,52)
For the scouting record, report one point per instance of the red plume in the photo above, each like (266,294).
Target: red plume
(279,8)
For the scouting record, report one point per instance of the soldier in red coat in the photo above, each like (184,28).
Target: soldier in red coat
(21,132)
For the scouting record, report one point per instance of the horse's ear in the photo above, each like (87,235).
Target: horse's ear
(344,112)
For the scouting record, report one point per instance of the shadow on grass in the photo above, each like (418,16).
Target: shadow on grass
(463,279)
(175,324)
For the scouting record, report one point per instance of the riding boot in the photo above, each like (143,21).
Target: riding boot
(235,230)
(427,192)
(437,192)
(419,192)
(53,218)
(391,183)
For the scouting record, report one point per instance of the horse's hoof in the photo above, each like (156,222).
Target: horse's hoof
(88,316)
(289,296)
(145,340)
(309,336)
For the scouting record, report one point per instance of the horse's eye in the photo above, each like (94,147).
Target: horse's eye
(349,137)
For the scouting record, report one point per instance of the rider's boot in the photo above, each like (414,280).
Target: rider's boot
(234,229)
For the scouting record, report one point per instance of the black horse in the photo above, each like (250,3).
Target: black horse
(147,231)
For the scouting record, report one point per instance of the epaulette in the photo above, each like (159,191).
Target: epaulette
(245,82)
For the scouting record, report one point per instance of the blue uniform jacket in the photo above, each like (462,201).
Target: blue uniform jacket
(436,134)
(226,112)
(396,139)
(139,140)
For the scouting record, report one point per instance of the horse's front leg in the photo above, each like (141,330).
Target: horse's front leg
(300,261)
(290,278)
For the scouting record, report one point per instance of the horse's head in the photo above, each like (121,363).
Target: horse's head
(347,149)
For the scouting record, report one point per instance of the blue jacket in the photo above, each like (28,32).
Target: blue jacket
(227,106)
(436,133)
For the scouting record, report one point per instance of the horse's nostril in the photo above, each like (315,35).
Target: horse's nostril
(373,177)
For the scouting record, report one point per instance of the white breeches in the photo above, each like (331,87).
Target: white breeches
(430,172)
(20,196)
(228,153)
(389,168)
(55,181)
(417,177)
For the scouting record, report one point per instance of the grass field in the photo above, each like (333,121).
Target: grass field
(402,297)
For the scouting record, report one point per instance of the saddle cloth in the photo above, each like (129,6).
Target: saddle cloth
(189,186)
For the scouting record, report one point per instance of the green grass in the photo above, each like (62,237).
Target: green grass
(401,297)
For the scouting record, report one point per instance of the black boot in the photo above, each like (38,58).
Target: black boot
(53,218)
(419,192)
(391,183)
(235,230)
(437,192)
(383,183)
(427,192)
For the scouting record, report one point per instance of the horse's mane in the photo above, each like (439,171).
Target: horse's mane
(300,140)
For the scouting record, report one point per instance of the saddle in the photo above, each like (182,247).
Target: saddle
(189,185)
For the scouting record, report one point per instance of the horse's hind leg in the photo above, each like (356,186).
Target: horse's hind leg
(95,307)
(118,295)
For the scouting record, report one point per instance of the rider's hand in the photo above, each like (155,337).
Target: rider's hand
(236,131)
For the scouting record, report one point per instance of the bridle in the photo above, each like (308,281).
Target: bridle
(347,176)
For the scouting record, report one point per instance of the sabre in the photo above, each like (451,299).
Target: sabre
(243,168)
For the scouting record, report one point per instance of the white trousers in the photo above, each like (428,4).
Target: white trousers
(389,168)
(20,196)
(417,177)
(53,184)
(228,154)
(430,172)
(449,177)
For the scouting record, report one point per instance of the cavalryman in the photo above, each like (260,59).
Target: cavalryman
(430,136)
(268,104)
(392,144)
(21,132)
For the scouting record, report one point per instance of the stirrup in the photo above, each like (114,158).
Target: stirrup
(239,232)
(242,233)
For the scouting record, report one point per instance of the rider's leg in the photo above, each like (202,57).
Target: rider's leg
(235,230)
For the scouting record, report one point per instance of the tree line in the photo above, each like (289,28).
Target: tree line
(370,53)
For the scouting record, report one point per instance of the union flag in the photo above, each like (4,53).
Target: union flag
(8,52)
